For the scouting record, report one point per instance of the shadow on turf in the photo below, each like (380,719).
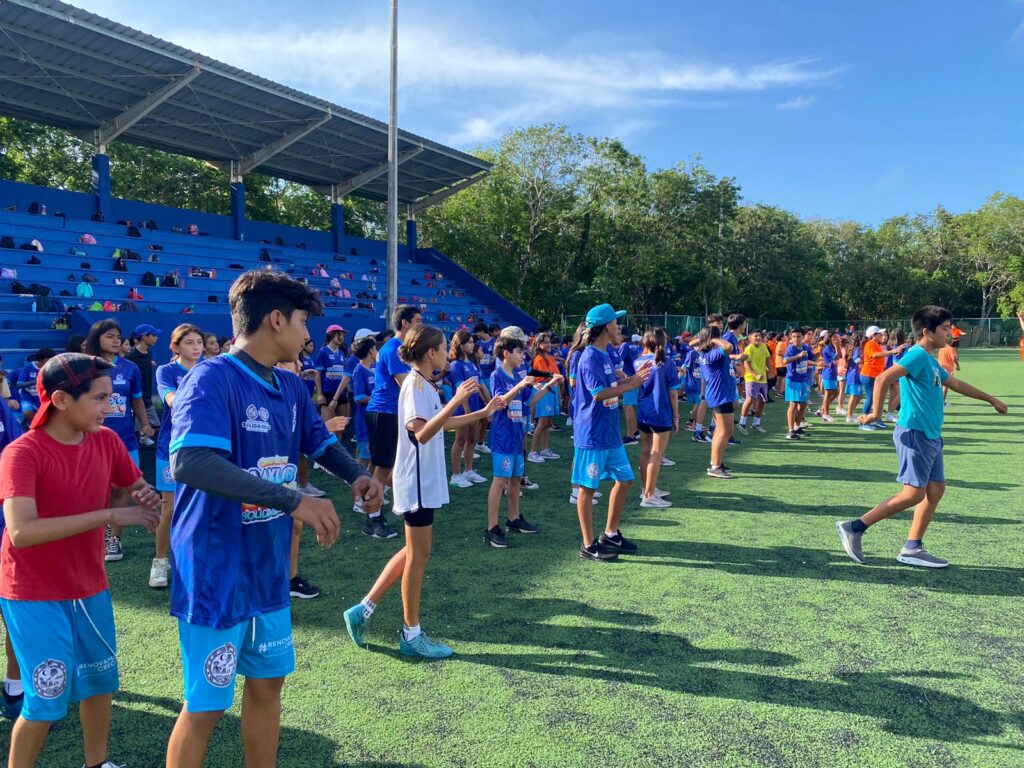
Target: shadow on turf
(631,655)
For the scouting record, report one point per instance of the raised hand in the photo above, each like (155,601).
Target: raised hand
(496,404)
(466,389)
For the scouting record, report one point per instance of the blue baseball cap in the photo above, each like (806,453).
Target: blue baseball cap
(603,314)
(145,329)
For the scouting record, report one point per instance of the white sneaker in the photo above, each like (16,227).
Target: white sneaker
(529,485)
(474,477)
(667,462)
(358,507)
(573,498)
(476,457)
(891,417)
(568,422)
(481,448)
(653,502)
(742,428)
(460,481)
(311,490)
(760,429)
(535,458)
(658,493)
(158,572)
(146,441)
(547,453)
(109,764)
(825,417)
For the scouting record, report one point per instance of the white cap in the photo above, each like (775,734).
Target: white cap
(515,332)
(362,333)
(872,330)
(823,334)
(637,337)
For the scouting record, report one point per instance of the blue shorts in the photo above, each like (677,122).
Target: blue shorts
(830,385)
(548,405)
(920,458)
(854,390)
(363,450)
(797,391)
(164,481)
(631,398)
(508,464)
(66,650)
(592,465)
(211,658)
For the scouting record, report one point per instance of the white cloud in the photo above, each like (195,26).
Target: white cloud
(797,102)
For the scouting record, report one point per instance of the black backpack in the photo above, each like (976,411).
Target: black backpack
(33,260)
(39,290)
(212,298)
(133,231)
(148,278)
(132,255)
(96,217)
(33,208)
(85,265)
(7,242)
(150,224)
(17,287)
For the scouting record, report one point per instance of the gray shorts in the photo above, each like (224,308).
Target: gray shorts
(920,458)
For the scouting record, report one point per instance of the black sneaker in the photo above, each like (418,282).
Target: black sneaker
(521,525)
(494,537)
(618,543)
(802,432)
(724,468)
(793,435)
(302,589)
(630,440)
(596,552)
(734,441)
(379,529)
(698,437)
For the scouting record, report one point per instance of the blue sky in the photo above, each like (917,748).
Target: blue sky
(823,108)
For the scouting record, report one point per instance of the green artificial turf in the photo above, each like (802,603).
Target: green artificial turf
(741,635)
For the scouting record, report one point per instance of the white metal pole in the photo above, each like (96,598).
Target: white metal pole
(393,171)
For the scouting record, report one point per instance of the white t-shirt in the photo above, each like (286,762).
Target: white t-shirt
(418,399)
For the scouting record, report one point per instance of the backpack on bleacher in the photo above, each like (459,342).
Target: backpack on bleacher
(76,251)
(34,260)
(133,231)
(148,278)
(150,224)
(7,242)
(212,298)
(132,255)
(21,288)
(129,306)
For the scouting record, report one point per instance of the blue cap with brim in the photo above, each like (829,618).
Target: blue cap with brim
(603,314)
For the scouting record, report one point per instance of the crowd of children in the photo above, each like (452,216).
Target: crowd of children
(240,427)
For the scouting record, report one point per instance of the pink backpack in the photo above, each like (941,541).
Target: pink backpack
(87,239)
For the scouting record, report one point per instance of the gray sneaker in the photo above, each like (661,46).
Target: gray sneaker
(719,472)
(851,541)
(921,557)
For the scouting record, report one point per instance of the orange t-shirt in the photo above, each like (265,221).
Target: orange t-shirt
(872,367)
(547,364)
(947,359)
(956,333)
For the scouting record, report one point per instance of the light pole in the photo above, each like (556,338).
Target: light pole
(393,171)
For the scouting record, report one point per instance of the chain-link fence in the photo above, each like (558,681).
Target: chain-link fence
(991,332)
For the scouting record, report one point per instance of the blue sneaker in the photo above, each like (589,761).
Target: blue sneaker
(355,622)
(10,707)
(424,647)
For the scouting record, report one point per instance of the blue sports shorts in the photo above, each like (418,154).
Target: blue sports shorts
(920,458)
(508,464)
(592,465)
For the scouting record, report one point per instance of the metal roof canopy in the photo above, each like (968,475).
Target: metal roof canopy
(100,80)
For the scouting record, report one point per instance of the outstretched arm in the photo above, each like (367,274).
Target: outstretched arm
(961,386)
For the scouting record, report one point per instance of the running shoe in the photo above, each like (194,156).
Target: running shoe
(719,472)
(521,525)
(310,490)
(547,453)
(424,647)
(630,440)
(481,448)
(302,589)
(826,418)
(667,462)
(660,494)
(113,550)
(158,572)
(529,485)
(920,557)
(734,441)
(377,528)
(10,707)
(792,435)
(460,481)
(473,476)
(535,458)
(867,428)
(356,622)
(760,429)
(598,553)
(653,502)
(495,537)
(618,543)
(851,541)
(742,428)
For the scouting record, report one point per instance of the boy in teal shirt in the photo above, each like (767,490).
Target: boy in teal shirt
(918,438)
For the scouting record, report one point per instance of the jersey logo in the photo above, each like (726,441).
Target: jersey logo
(257,419)
(506,463)
(219,669)
(120,379)
(593,471)
(50,679)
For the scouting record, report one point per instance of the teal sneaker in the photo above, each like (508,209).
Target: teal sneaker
(355,622)
(11,705)
(424,647)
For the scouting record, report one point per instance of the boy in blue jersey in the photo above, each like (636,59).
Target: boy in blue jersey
(798,382)
(24,388)
(508,429)
(364,350)
(238,428)
(486,335)
(599,451)
(329,362)
(628,352)
(918,438)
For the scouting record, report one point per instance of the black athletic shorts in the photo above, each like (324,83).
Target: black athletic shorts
(421,518)
(780,373)
(725,408)
(650,429)
(383,429)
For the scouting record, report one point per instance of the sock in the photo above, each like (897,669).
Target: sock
(411,633)
(13,687)
(698,427)
(757,421)
(743,421)
(915,543)
(373,516)
(611,534)
(858,527)
(368,606)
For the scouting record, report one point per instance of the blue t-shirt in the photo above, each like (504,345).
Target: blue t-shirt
(732,339)
(127,384)
(487,363)
(25,384)
(509,424)
(10,430)
(461,371)
(362,388)
(385,389)
(596,423)
(921,393)
(799,371)
(168,379)
(628,353)
(331,365)
(828,357)
(853,367)
(716,370)
(231,560)
(307,363)
(691,362)
(655,406)
(615,357)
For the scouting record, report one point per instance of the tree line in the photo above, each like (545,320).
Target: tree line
(566,220)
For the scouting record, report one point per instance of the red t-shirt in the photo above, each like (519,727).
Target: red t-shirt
(64,480)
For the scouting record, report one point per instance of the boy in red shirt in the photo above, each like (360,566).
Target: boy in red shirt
(55,483)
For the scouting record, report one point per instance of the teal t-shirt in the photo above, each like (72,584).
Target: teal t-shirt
(921,393)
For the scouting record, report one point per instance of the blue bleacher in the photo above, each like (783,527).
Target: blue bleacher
(22,329)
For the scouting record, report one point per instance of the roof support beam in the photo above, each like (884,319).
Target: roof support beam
(425,202)
(114,127)
(342,188)
(248,163)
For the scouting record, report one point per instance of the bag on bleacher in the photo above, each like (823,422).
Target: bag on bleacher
(116,254)
(49,304)
(148,278)
(34,260)
(96,307)
(7,272)
(87,239)
(39,290)
(150,224)
(87,278)
(212,298)
(133,231)
(17,287)
(132,255)
(7,242)
(129,306)
(76,251)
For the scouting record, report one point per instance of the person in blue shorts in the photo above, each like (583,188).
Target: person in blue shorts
(854,359)
(486,336)
(365,351)
(799,376)
(55,482)
(544,368)
(716,370)
(918,438)
(628,351)
(186,349)
(658,417)
(462,367)
(329,362)
(599,452)
(237,429)
(507,432)
(104,341)
(830,345)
